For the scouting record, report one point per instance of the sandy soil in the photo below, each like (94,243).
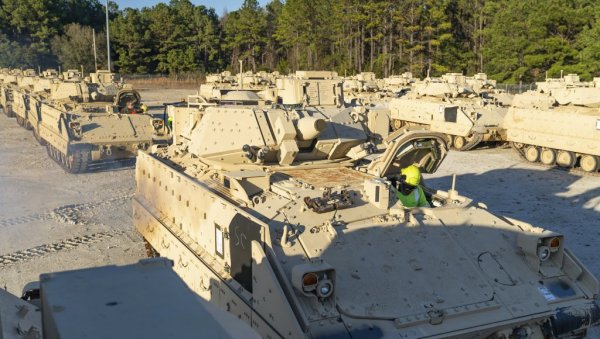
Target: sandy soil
(53,221)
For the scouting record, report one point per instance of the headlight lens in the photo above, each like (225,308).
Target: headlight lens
(543,253)
(325,288)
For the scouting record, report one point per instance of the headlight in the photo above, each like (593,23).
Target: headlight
(542,249)
(325,288)
(314,279)
(543,253)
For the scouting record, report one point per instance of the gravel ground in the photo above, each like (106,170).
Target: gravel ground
(52,221)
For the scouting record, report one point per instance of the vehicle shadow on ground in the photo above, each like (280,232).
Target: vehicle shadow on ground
(535,196)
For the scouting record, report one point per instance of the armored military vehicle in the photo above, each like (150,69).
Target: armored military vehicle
(81,122)
(289,219)
(132,301)
(218,85)
(449,106)
(398,84)
(39,92)
(363,89)
(20,94)
(557,125)
(6,91)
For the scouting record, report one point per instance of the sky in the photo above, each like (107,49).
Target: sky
(218,5)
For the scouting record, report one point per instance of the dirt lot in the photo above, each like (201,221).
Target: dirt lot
(52,221)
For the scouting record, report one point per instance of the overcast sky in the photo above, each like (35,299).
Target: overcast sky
(218,5)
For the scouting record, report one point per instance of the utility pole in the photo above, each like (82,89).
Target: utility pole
(95,55)
(241,75)
(107,38)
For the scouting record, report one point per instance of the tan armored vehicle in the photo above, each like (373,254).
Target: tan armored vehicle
(133,301)
(363,89)
(218,85)
(6,91)
(398,84)
(288,219)
(559,127)
(450,107)
(20,94)
(39,92)
(83,122)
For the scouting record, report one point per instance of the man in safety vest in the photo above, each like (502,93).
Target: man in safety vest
(410,192)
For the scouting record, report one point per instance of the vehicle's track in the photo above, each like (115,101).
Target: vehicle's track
(65,214)
(574,170)
(66,244)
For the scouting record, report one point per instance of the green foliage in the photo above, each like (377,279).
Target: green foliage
(512,40)
(75,49)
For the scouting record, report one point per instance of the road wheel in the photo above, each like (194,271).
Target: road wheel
(20,121)
(27,125)
(532,154)
(548,156)
(565,159)
(450,140)
(397,124)
(589,163)
(459,142)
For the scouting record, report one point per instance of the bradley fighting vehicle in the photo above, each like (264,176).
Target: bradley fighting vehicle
(449,106)
(288,218)
(40,91)
(559,124)
(132,301)
(85,121)
(218,85)
(20,94)
(9,81)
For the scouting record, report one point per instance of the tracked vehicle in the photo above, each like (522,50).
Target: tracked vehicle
(39,92)
(288,219)
(83,122)
(20,95)
(558,125)
(449,106)
(9,81)
(218,85)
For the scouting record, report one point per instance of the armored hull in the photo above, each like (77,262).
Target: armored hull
(6,93)
(449,106)
(560,128)
(74,138)
(83,122)
(288,219)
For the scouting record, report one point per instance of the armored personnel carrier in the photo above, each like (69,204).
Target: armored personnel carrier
(81,122)
(449,106)
(218,85)
(39,92)
(288,218)
(398,84)
(132,301)
(20,94)
(363,89)
(557,125)
(6,91)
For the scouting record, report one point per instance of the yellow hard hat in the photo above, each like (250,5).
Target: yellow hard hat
(144,108)
(413,175)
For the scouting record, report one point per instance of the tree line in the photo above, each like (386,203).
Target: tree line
(511,40)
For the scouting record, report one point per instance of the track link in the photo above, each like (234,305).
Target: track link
(574,170)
